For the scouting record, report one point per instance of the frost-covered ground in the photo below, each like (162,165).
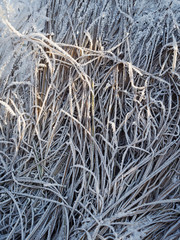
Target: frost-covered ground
(89,119)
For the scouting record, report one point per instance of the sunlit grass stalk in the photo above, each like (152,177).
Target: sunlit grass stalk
(92,123)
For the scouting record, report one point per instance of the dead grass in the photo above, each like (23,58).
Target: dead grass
(89,132)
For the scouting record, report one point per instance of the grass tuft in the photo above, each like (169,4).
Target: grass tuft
(90,120)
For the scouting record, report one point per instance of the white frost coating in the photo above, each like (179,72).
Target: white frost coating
(8,108)
(89,119)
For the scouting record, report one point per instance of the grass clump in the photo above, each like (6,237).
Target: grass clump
(89,120)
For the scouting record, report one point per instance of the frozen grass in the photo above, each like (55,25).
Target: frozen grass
(89,120)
